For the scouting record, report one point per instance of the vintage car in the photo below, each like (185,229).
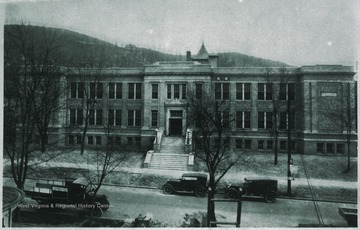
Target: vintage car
(189,182)
(254,186)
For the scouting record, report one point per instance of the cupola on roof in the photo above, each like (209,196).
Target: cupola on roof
(203,53)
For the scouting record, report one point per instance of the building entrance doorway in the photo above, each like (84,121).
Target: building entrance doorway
(175,123)
(175,127)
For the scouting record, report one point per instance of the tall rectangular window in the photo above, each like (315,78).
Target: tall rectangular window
(76,117)
(114,117)
(96,90)
(134,90)
(320,147)
(198,91)
(79,117)
(169,91)
(72,116)
(176,91)
(134,118)
(98,140)
(90,140)
(260,144)
(247,122)
(154,91)
(183,91)
(225,119)
(269,120)
(287,91)
(243,120)
(222,91)
(77,90)
(73,89)
(283,120)
(265,91)
(269,89)
(242,91)
(99,117)
(154,118)
(115,90)
(261,120)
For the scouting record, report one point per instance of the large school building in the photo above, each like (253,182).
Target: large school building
(128,106)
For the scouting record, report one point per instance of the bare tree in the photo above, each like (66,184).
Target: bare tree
(212,121)
(343,114)
(32,91)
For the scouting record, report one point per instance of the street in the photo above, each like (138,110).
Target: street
(130,202)
(170,209)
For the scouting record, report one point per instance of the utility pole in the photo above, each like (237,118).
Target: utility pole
(289,161)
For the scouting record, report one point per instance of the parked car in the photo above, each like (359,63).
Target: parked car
(254,186)
(189,182)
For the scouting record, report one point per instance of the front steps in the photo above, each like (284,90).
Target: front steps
(169,161)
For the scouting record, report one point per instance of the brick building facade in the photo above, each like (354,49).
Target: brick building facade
(137,102)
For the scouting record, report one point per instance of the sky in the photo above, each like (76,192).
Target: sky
(297,32)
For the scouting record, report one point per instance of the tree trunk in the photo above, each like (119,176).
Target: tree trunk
(276,149)
(211,208)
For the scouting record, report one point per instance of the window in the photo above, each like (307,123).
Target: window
(283,119)
(96,90)
(114,117)
(265,91)
(225,119)
(110,140)
(76,117)
(340,148)
(242,91)
(134,118)
(134,91)
(115,90)
(154,118)
(265,120)
(260,144)
(78,139)
(238,143)
(176,91)
(90,140)
(154,91)
(320,147)
(243,120)
(292,145)
(98,140)
(198,91)
(71,139)
(77,90)
(287,91)
(138,141)
(95,117)
(247,144)
(261,120)
(130,141)
(283,145)
(270,144)
(118,140)
(222,91)
(329,148)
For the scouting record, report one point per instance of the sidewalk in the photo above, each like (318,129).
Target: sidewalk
(229,177)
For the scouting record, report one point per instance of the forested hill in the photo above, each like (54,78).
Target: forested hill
(74,49)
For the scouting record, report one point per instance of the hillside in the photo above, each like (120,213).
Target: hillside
(75,49)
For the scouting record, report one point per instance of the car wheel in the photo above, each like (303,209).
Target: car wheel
(270,196)
(244,192)
(97,212)
(167,189)
(199,192)
(231,193)
(105,204)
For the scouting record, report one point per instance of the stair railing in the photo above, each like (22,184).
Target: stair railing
(158,138)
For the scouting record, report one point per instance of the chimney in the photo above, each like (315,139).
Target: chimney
(188,56)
